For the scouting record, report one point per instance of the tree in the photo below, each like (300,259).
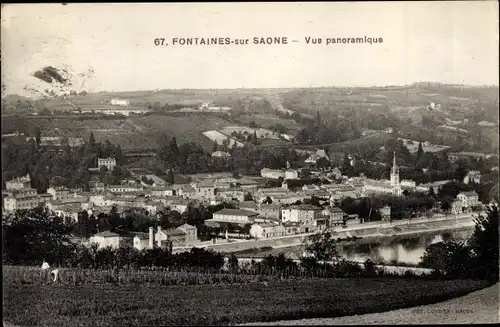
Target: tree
(33,236)
(170,176)
(248,197)
(322,163)
(91,140)
(431,192)
(233,262)
(323,246)
(484,244)
(420,154)
(38,136)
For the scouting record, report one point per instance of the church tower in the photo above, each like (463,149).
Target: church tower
(394,173)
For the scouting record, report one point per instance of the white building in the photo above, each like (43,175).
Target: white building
(468,199)
(272,173)
(60,193)
(267,230)
(320,153)
(191,233)
(19,183)
(107,238)
(234,216)
(472,176)
(141,242)
(291,174)
(109,163)
(119,102)
(23,199)
(221,154)
(304,214)
(145,241)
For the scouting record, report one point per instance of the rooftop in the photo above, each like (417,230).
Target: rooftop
(264,225)
(106,234)
(304,207)
(175,232)
(469,193)
(236,212)
(248,204)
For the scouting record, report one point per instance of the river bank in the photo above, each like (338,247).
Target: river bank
(368,231)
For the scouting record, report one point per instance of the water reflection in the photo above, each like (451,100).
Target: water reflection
(406,250)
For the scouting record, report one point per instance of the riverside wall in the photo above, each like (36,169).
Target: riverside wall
(367,230)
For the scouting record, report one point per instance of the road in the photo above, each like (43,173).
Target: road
(480,307)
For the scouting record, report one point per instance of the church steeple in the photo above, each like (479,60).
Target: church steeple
(395,168)
(394,173)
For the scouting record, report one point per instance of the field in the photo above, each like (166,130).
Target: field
(131,133)
(412,146)
(216,136)
(267,121)
(479,307)
(141,305)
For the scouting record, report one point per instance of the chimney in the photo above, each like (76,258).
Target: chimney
(151,237)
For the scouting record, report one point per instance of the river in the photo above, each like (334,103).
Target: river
(402,249)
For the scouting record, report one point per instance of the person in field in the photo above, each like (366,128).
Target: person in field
(54,273)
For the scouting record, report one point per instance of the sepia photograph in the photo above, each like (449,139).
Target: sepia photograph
(265,163)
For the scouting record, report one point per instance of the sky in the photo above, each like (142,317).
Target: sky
(447,42)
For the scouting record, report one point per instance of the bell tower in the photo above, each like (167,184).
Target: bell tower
(394,173)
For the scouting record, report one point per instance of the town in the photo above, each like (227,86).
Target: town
(223,208)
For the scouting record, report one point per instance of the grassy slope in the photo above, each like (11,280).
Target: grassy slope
(54,305)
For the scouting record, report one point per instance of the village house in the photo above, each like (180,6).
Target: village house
(292,228)
(320,153)
(231,195)
(179,205)
(472,176)
(234,216)
(246,183)
(272,173)
(291,174)
(220,154)
(19,183)
(336,215)
(153,207)
(310,187)
(191,233)
(161,191)
(107,238)
(249,206)
(188,192)
(353,220)
(335,174)
(204,190)
(267,230)
(23,199)
(456,207)
(469,199)
(60,193)
(109,163)
(180,236)
(385,212)
(263,193)
(288,198)
(304,214)
(123,188)
(272,210)
(141,241)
